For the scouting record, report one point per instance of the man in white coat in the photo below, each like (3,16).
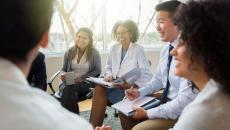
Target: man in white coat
(24,28)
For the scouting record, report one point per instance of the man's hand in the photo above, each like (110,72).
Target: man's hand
(139,113)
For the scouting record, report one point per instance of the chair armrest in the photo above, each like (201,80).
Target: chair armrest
(52,79)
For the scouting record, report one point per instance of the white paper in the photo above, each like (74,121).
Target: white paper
(129,77)
(100,81)
(125,106)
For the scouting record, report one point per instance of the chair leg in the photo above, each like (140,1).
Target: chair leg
(115,113)
(106,115)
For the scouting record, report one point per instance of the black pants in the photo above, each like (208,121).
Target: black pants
(71,95)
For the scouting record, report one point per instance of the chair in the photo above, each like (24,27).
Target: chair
(115,111)
(56,93)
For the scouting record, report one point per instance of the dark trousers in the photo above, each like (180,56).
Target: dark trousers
(72,94)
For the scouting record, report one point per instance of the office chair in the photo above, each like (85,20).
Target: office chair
(56,93)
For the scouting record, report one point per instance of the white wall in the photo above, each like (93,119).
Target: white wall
(53,64)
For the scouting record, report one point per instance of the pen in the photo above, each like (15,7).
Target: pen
(126,93)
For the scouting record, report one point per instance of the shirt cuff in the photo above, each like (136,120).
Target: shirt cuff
(142,91)
(153,113)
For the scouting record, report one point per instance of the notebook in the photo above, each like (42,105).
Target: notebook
(130,77)
(146,102)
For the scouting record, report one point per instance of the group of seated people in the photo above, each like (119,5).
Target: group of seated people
(192,71)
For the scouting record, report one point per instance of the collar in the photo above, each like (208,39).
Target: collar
(130,45)
(174,43)
(10,72)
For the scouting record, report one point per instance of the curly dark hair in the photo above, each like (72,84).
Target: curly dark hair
(130,25)
(204,29)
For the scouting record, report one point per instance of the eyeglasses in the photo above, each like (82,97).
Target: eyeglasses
(121,33)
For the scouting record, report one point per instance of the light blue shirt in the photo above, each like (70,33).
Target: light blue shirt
(123,52)
(180,92)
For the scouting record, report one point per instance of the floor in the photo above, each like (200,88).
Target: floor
(85,105)
(110,120)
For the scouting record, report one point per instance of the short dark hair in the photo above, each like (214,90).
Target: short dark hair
(204,27)
(22,24)
(130,25)
(168,6)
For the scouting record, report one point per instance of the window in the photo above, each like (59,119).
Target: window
(100,16)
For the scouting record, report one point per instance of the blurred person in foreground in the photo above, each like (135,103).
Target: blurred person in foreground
(203,56)
(24,28)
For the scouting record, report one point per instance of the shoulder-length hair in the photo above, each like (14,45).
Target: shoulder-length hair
(89,48)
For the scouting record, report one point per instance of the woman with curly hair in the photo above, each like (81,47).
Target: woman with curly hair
(203,56)
(124,56)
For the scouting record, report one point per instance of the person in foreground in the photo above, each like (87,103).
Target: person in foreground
(84,60)
(124,56)
(203,56)
(24,28)
(177,92)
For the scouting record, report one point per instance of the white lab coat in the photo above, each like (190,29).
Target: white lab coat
(134,58)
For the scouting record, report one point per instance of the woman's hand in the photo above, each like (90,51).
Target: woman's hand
(109,78)
(132,93)
(125,85)
(63,76)
(139,113)
(78,80)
